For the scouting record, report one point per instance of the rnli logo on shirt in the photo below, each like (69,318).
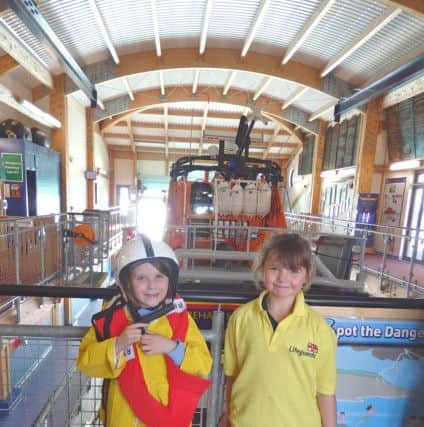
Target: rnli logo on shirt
(129,353)
(311,350)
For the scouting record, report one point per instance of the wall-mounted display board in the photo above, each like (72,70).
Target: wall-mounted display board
(307,155)
(394,189)
(340,144)
(405,129)
(366,215)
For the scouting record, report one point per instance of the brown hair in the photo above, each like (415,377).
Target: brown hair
(292,250)
(124,277)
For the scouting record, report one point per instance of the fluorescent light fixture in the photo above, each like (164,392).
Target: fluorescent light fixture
(406,164)
(39,115)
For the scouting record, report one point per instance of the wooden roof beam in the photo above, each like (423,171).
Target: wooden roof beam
(325,109)
(131,135)
(195,81)
(205,25)
(153,153)
(297,93)
(165,122)
(178,126)
(229,82)
(414,7)
(162,83)
(7,63)
(13,46)
(103,30)
(257,21)
(150,99)
(155,27)
(271,141)
(128,88)
(161,139)
(265,82)
(203,127)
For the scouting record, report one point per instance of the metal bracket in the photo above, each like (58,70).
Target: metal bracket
(407,72)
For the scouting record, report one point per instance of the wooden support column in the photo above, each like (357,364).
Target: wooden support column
(317,167)
(58,108)
(90,155)
(112,192)
(367,145)
(135,173)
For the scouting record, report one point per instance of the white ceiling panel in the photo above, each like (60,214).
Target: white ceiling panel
(148,132)
(190,133)
(343,22)
(150,144)
(185,120)
(147,118)
(280,88)
(404,33)
(273,37)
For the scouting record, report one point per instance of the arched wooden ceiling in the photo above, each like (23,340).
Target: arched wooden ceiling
(291,61)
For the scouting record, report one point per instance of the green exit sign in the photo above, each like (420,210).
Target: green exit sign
(11,168)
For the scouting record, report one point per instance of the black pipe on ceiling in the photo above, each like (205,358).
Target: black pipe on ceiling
(402,75)
(31,16)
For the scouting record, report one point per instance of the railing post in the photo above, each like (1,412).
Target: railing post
(362,255)
(412,262)
(216,348)
(383,261)
(17,255)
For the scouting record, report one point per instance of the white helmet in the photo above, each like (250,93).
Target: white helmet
(143,249)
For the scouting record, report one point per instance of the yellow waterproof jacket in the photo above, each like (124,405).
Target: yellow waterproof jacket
(97,359)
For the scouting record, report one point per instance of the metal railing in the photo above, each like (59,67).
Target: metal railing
(41,386)
(43,250)
(380,249)
(241,243)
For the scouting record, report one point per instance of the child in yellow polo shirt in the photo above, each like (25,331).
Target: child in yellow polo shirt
(280,355)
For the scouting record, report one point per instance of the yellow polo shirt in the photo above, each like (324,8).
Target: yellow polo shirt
(278,373)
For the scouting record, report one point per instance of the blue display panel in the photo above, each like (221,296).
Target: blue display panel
(380,372)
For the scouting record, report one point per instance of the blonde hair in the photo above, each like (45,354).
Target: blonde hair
(292,250)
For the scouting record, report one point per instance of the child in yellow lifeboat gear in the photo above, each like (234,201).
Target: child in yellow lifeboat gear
(154,370)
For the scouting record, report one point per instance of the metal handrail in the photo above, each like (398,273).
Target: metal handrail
(214,336)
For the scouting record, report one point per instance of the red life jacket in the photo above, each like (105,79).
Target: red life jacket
(185,389)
